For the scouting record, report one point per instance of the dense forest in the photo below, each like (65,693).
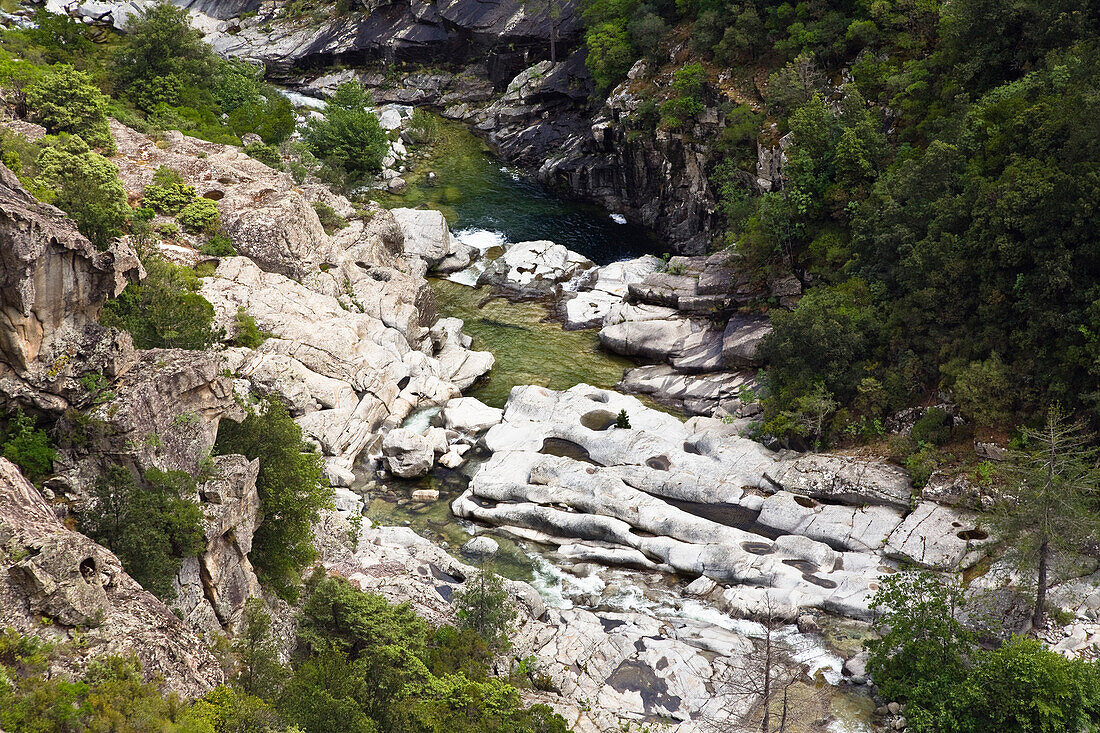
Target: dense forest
(940,195)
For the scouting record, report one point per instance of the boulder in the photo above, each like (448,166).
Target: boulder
(533,269)
(427,237)
(407,454)
(846,479)
(481,547)
(424,495)
(470,415)
(741,339)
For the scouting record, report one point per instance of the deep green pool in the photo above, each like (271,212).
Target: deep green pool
(477,190)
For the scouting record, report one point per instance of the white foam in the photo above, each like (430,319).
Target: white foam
(302,100)
(482,240)
(618,218)
(419,421)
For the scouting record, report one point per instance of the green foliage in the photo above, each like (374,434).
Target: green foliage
(610,54)
(85,185)
(330,220)
(259,672)
(162,57)
(66,100)
(923,650)
(163,310)
(266,154)
(27,447)
(484,607)
(150,525)
(201,215)
(349,137)
(933,428)
(218,245)
(249,334)
(622,420)
(168,193)
(292,491)
(1051,507)
(983,392)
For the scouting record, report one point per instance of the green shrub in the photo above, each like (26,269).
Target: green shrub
(349,136)
(28,448)
(168,193)
(86,186)
(249,334)
(484,607)
(622,420)
(266,154)
(66,100)
(610,54)
(292,491)
(163,310)
(218,245)
(330,220)
(933,428)
(201,215)
(983,392)
(151,526)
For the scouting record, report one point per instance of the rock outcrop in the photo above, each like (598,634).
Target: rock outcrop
(56,581)
(794,530)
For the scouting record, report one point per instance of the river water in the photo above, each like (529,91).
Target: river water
(488,204)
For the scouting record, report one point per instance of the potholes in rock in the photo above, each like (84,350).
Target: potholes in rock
(566,449)
(805,501)
(971,535)
(598,397)
(87,570)
(730,515)
(758,548)
(641,533)
(598,419)
(659,463)
(214,195)
(692,448)
(807,567)
(821,582)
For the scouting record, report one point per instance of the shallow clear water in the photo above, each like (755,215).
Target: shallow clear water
(529,348)
(477,190)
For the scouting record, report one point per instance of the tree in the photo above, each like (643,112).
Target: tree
(292,490)
(161,56)
(66,100)
(484,607)
(610,54)
(259,672)
(922,650)
(1049,504)
(86,186)
(164,310)
(622,420)
(28,448)
(756,688)
(349,136)
(1022,686)
(151,526)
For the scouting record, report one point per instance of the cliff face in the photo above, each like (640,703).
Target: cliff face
(51,573)
(53,284)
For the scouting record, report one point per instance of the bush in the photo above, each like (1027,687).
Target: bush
(150,526)
(28,448)
(218,245)
(266,154)
(484,607)
(292,491)
(330,220)
(349,136)
(933,428)
(163,310)
(168,193)
(249,334)
(922,649)
(610,54)
(200,216)
(66,100)
(85,185)
(983,392)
